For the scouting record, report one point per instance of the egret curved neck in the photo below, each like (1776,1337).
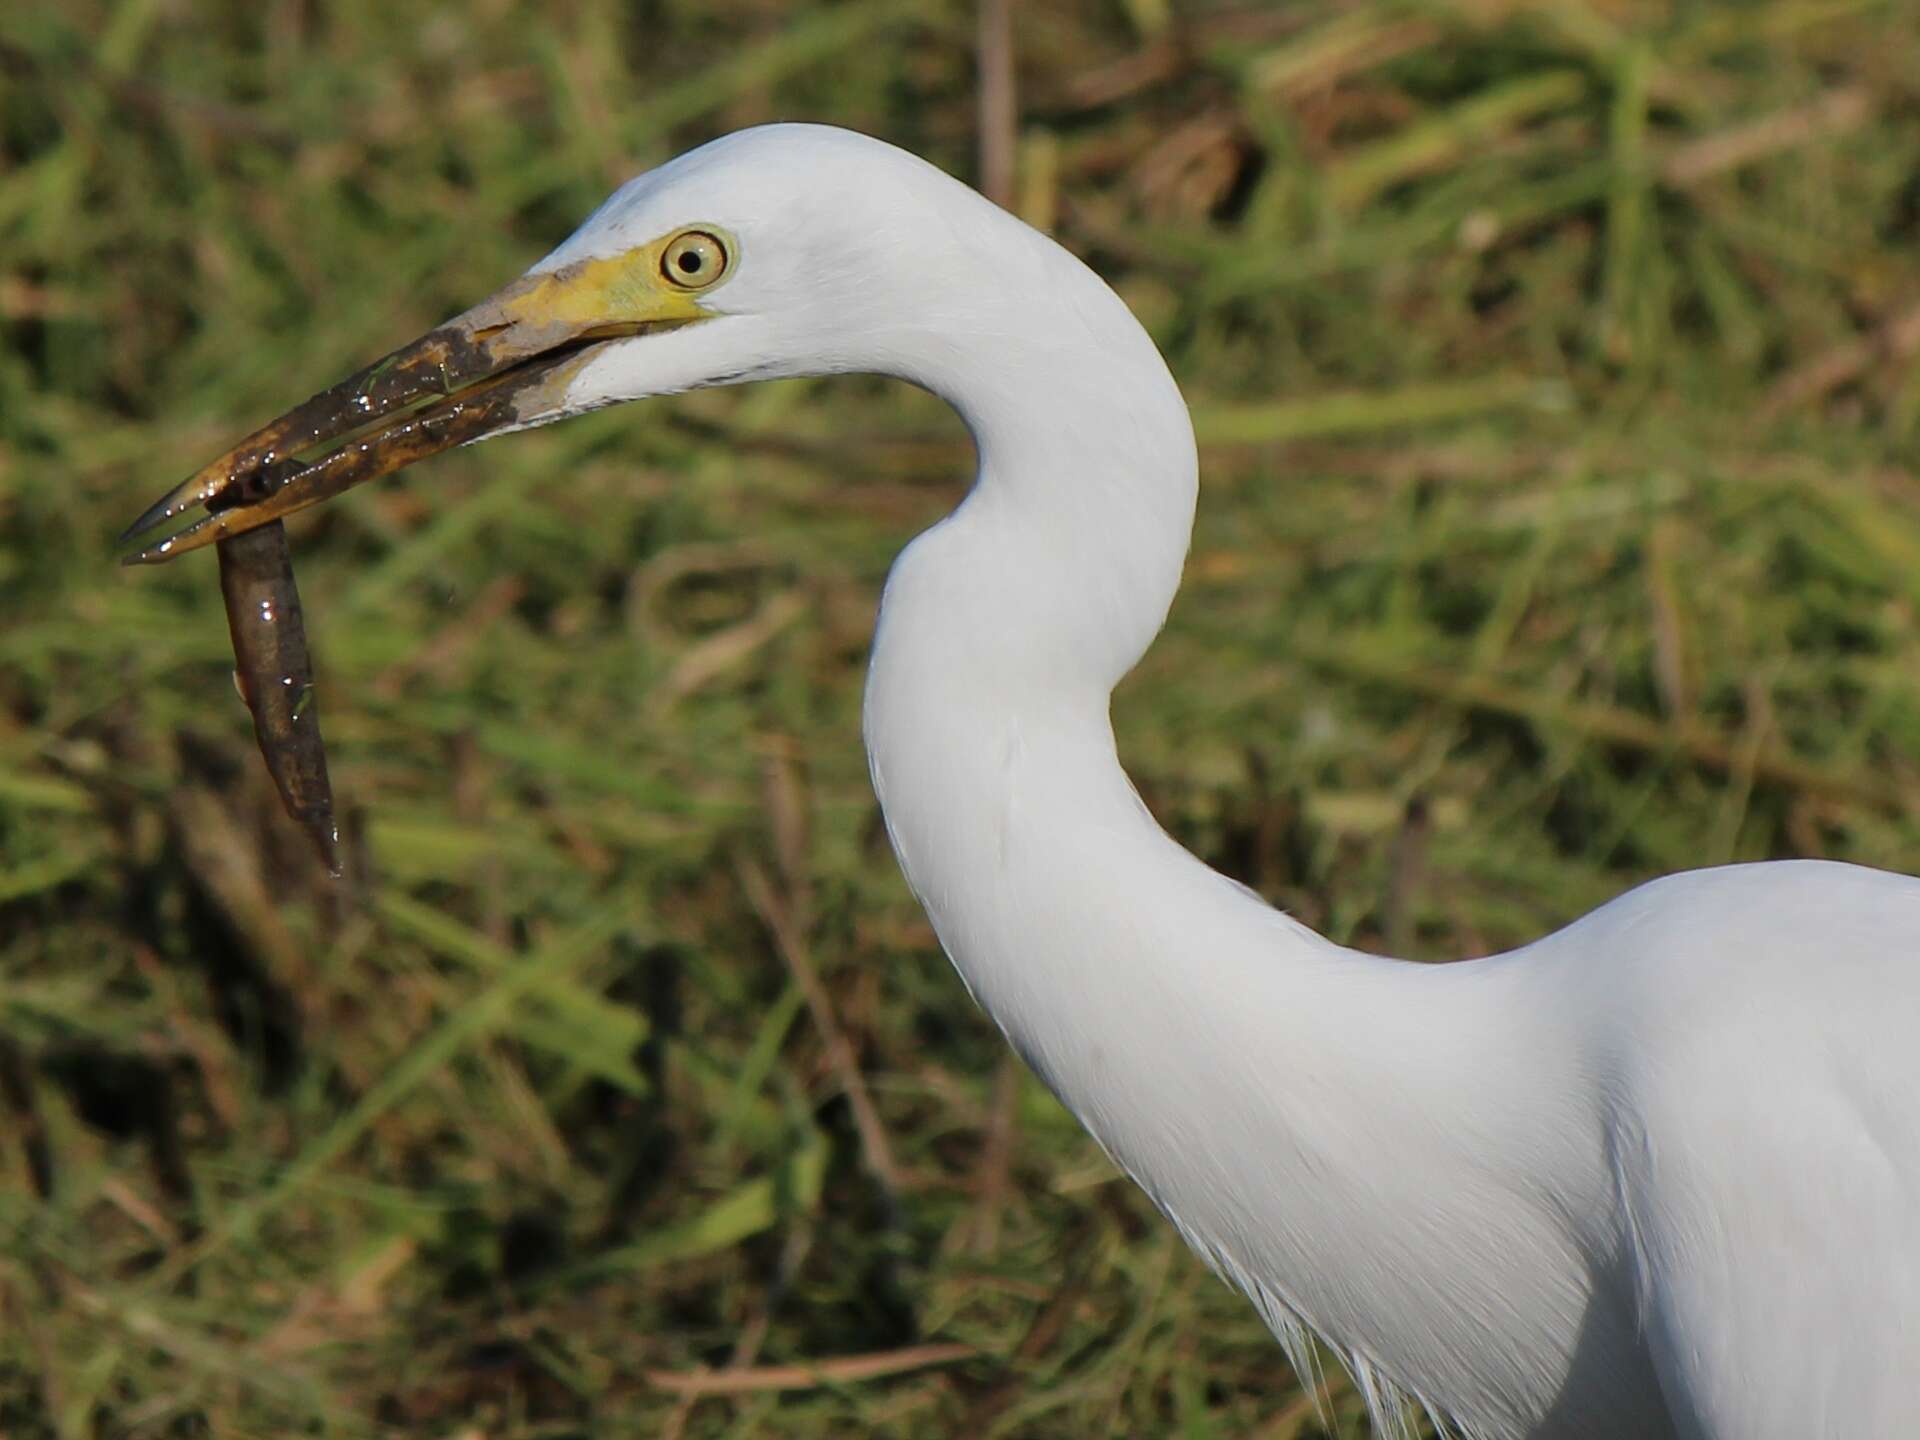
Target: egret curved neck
(1248,1073)
(1004,629)
(1220,1051)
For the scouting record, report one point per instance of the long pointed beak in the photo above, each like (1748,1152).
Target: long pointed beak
(504,364)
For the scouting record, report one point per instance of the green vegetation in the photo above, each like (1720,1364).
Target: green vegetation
(1553,364)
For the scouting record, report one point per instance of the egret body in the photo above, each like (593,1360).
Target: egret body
(1656,1175)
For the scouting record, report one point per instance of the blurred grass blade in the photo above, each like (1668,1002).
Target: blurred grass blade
(1354,414)
(743,1212)
(488,1011)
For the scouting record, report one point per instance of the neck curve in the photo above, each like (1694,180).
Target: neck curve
(1294,1107)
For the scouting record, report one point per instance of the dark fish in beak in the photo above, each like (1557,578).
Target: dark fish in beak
(503,365)
(275,675)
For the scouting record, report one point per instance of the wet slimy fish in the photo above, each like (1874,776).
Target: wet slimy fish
(275,675)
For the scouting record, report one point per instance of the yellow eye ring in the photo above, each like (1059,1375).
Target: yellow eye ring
(694,259)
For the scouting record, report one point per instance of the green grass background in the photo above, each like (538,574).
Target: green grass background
(1553,369)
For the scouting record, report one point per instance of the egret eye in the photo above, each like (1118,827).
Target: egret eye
(694,260)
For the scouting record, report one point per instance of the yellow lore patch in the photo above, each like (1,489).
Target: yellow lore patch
(613,290)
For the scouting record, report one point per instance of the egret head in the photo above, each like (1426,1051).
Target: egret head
(784,250)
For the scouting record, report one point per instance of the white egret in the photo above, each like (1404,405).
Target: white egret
(1655,1175)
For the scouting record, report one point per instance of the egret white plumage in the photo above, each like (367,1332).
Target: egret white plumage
(1655,1175)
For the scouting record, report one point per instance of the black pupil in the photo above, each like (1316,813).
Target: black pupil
(690,262)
